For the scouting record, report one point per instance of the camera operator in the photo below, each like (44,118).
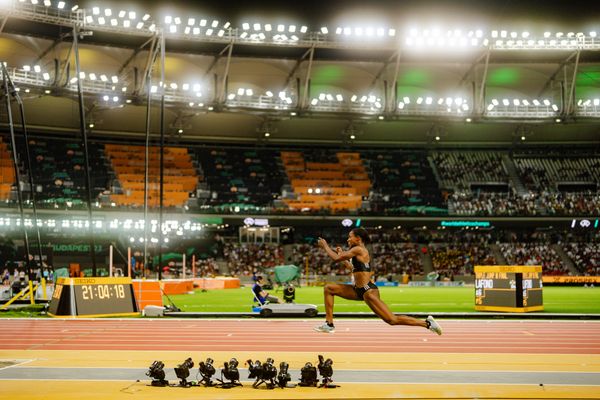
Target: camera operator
(261,295)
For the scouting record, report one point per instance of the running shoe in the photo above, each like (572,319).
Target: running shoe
(325,328)
(433,326)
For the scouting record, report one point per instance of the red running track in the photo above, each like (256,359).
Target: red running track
(462,336)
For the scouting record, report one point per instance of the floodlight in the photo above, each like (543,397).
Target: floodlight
(419,100)
(122,14)
(303,29)
(269,93)
(596,102)
(314,102)
(536,102)
(37,68)
(146,17)
(249,92)
(26,68)
(490,107)
(173,28)
(391,32)
(339,97)
(96,10)
(547,34)
(105,98)
(506,102)
(401,105)
(256,27)
(428,100)
(526,102)
(114,22)
(406,100)
(215,23)
(353,98)
(347,30)
(132,15)
(114,79)
(187,30)
(173,86)
(61,5)
(546,102)
(46,76)
(593,34)
(75,8)
(324,30)
(209,32)
(329,97)
(554,107)
(139,25)
(115,98)
(107,12)
(152,28)
(101,20)
(516,102)
(268,28)
(126,23)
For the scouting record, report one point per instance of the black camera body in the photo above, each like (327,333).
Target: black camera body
(231,373)
(183,372)
(157,374)
(283,377)
(254,369)
(308,375)
(326,372)
(207,370)
(289,294)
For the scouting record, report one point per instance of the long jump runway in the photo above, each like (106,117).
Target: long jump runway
(483,359)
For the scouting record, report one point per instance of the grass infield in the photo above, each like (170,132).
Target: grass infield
(402,299)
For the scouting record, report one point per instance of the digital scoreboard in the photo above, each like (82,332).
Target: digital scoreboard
(509,288)
(92,297)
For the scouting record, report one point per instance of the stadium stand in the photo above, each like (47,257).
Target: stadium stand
(403,182)
(58,169)
(534,254)
(585,256)
(180,176)
(242,177)
(337,184)
(7,172)
(461,169)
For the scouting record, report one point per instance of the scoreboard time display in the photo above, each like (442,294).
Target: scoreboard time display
(508,288)
(92,297)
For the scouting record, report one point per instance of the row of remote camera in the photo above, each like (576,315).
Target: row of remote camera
(230,375)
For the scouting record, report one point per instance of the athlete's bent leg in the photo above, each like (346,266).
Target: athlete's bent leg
(372,299)
(334,289)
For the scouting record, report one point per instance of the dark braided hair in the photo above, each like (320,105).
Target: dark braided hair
(362,233)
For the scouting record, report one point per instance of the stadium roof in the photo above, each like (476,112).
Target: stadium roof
(409,87)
